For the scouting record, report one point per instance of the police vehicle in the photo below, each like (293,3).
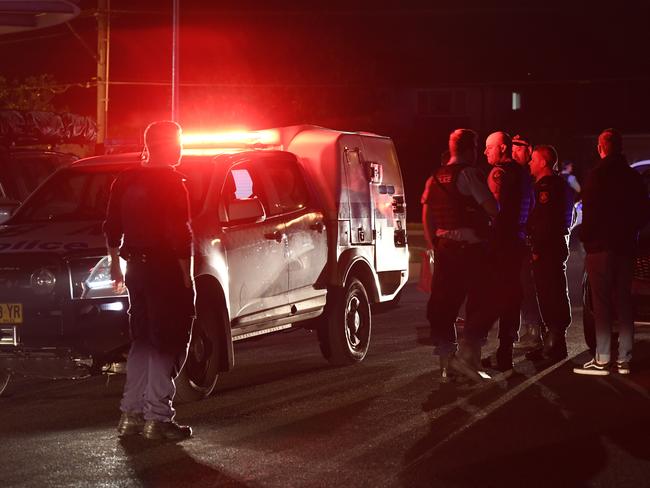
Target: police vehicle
(294,227)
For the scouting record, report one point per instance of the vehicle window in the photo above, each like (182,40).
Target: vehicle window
(284,186)
(82,193)
(198,175)
(30,170)
(75,194)
(239,185)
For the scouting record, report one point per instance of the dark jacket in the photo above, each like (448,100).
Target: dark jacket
(550,219)
(512,187)
(149,209)
(614,207)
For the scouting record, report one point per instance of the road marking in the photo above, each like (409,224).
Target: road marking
(481,413)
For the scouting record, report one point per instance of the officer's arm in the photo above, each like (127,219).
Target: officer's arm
(116,271)
(491,208)
(187,268)
(481,192)
(113,232)
(428,222)
(181,231)
(429,225)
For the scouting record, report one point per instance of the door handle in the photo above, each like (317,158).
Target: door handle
(276,236)
(318,227)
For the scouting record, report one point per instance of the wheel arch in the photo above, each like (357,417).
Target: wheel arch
(209,292)
(358,267)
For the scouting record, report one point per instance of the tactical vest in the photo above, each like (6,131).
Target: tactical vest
(450,208)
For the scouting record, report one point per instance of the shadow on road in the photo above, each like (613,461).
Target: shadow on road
(167,464)
(559,429)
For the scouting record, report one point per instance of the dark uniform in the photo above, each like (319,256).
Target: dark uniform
(511,186)
(149,209)
(460,250)
(548,228)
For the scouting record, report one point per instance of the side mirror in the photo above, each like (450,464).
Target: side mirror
(245,210)
(7,208)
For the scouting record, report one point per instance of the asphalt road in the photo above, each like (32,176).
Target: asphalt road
(284,418)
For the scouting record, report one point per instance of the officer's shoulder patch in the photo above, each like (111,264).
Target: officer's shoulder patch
(497,173)
(544,197)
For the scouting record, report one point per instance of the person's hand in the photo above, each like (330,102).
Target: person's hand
(188,281)
(117,276)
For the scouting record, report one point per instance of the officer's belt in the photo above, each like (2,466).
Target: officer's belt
(452,244)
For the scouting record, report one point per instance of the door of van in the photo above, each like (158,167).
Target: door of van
(256,253)
(358,186)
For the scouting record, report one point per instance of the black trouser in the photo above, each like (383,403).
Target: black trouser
(459,272)
(549,270)
(161,313)
(508,262)
(530,315)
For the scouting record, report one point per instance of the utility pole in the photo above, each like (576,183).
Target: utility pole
(103,36)
(175,88)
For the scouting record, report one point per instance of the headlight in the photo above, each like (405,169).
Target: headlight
(43,281)
(99,283)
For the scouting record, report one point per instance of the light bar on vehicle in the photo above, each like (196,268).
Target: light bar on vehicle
(200,143)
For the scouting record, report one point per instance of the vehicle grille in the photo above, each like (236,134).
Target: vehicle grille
(16,271)
(642,267)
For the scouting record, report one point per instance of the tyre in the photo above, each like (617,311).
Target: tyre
(5,378)
(200,373)
(344,333)
(588,323)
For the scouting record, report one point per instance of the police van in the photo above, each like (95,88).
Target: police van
(294,227)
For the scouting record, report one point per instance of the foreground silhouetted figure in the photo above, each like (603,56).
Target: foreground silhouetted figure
(457,206)
(548,229)
(614,208)
(148,208)
(511,185)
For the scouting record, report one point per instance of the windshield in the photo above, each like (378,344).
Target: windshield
(22,172)
(81,193)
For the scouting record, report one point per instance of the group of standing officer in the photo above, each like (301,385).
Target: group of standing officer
(482,231)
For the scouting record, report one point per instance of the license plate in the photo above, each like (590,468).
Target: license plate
(11,313)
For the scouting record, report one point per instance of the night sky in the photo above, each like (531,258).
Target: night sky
(276,46)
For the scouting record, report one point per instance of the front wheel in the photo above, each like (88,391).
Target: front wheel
(198,378)
(344,333)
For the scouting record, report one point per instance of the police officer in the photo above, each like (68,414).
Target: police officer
(548,228)
(510,185)
(530,330)
(148,214)
(457,206)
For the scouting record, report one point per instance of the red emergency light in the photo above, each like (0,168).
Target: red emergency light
(206,143)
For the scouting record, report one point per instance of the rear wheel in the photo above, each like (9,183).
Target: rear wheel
(344,333)
(199,375)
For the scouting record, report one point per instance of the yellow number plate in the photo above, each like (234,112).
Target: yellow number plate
(11,313)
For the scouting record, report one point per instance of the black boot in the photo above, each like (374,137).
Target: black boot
(130,423)
(159,430)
